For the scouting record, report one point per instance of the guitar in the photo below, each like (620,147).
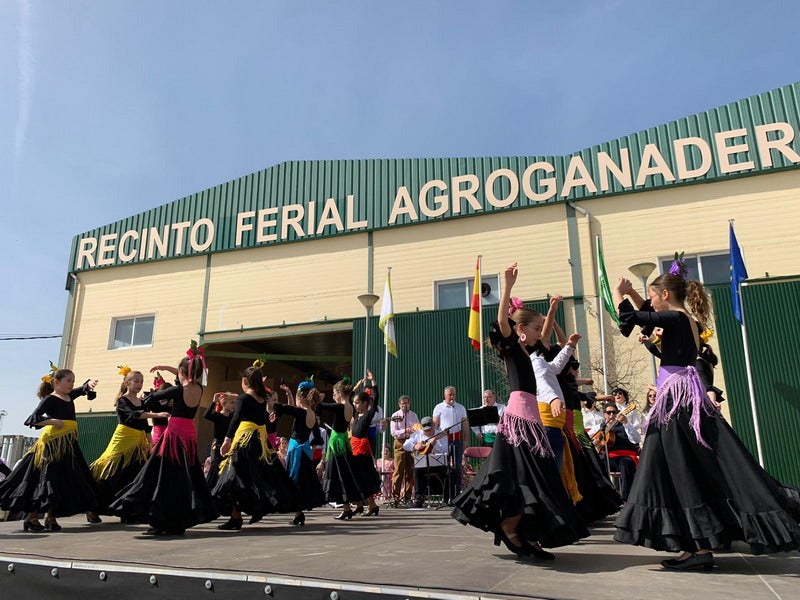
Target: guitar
(430,443)
(606,437)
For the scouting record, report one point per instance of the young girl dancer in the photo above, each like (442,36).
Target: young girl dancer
(127,450)
(518,494)
(219,412)
(363,461)
(53,476)
(299,462)
(160,405)
(170,492)
(340,482)
(251,477)
(697,487)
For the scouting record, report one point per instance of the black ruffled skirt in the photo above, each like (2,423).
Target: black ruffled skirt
(257,487)
(513,481)
(108,488)
(369,480)
(62,486)
(600,499)
(169,493)
(686,497)
(213,469)
(341,482)
(308,484)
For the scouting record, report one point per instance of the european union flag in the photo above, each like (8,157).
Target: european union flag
(738,274)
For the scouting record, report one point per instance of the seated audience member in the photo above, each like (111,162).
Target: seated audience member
(430,462)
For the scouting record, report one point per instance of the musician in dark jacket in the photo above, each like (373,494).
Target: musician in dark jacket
(430,462)
(612,437)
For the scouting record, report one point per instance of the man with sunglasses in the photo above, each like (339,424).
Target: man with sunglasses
(622,452)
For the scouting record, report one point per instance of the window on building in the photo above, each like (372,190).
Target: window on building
(709,269)
(457,293)
(131,331)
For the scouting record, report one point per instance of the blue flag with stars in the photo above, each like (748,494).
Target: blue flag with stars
(738,274)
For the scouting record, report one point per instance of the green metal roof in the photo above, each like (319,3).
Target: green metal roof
(299,200)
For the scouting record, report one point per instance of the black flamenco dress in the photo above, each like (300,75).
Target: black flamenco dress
(697,486)
(221,422)
(599,498)
(170,492)
(520,476)
(340,481)
(251,476)
(53,476)
(124,456)
(299,463)
(363,460)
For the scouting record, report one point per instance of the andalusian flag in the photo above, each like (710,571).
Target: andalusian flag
(605,289)
(386,322)
(474,331)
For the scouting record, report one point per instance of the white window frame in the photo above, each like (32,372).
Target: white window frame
(699,256)
(492,298)
(113,330)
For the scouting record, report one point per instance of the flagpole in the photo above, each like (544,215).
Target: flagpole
(480,325)
(600,315)
(385,388)
(750,386)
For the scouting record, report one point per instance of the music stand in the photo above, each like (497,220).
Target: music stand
(432,460)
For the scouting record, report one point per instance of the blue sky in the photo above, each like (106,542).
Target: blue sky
(111,108)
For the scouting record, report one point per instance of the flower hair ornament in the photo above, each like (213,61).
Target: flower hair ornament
(124,369)
(260,361)
(158,380)
(194,352)
(706,335)
(49,377)
(678,267)
(306,385)
(513,305)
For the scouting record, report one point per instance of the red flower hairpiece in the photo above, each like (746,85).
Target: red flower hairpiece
(513,305)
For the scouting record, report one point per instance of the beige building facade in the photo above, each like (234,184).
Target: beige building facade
(274,263)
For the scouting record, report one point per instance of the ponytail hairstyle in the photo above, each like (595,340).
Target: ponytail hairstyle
(689,293)
(255,380)
(191,368)
(46,387)
(123,388)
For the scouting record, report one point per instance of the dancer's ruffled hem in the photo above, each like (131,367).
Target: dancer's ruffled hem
(699,528)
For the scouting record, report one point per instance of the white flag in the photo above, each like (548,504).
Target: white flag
(386,322)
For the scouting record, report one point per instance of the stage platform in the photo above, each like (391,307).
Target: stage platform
(400,554)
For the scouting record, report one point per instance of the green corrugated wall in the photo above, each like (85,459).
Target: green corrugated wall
(772,322)
(94,431)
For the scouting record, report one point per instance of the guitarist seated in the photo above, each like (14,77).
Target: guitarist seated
(612,437)
(430,461)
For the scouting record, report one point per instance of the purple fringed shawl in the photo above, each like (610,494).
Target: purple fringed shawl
(684,386)
(521,423)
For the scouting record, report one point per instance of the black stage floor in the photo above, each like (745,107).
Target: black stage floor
(399,554)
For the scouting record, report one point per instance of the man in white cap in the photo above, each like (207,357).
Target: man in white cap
(430,461)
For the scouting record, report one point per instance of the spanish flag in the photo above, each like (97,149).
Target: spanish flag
(474,331)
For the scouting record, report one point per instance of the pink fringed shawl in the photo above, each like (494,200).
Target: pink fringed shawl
(521,423)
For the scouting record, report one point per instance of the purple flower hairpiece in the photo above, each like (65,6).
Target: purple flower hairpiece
(513,305)
(678,267)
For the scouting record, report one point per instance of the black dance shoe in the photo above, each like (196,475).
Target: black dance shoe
(345,514)
(93,518)
(52,525)
(695,562)
(536,551)
(358,510)
(501,536)
(32,526)
(372,512)
(231,524)
(299,520)
(255,519)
